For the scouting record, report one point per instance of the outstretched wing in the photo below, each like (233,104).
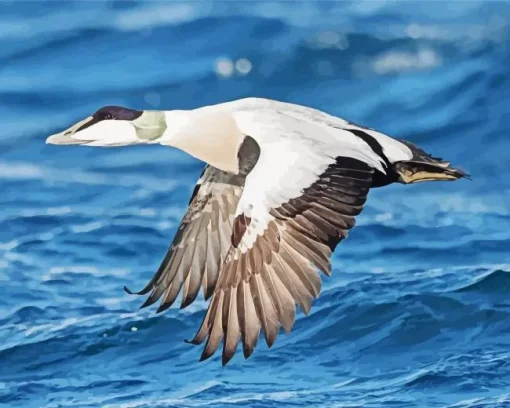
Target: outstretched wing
(299,202)
(201,242)
(203,238)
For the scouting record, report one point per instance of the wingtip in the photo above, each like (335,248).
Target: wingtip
(205,355)
(193,341)
(144,291)
(186,301)
(163,306)
(270,340)
(225,359)
(248,351)
(149,301)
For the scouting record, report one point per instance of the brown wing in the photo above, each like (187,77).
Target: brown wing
(258,288)
(203,238)
(201,242)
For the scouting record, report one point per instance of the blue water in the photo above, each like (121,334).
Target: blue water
(417,311)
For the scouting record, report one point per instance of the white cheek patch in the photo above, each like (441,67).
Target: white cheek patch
(108,133)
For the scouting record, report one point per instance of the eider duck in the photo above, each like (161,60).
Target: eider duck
(281,188)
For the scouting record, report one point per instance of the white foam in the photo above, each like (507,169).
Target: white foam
(397,61)
(91,226)
(162,14)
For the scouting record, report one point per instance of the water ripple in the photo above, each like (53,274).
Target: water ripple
(416,311)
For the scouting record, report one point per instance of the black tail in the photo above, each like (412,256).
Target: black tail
(424,167)
(415,171)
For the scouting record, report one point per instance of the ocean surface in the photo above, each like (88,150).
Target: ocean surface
(417,311)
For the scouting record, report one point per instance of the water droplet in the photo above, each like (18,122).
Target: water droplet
(224,67)
(243,66)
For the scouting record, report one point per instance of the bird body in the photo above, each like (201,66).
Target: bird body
(281,188)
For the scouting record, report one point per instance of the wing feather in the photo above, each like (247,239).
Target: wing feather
(278,270)
(256,241)
(202,241)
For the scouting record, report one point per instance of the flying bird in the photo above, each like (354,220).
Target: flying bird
(281,188)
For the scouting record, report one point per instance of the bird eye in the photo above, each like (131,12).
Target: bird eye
(106,116)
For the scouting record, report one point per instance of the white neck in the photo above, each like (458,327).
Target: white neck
(210,134)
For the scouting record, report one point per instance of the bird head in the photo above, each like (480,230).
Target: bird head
(113,126)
